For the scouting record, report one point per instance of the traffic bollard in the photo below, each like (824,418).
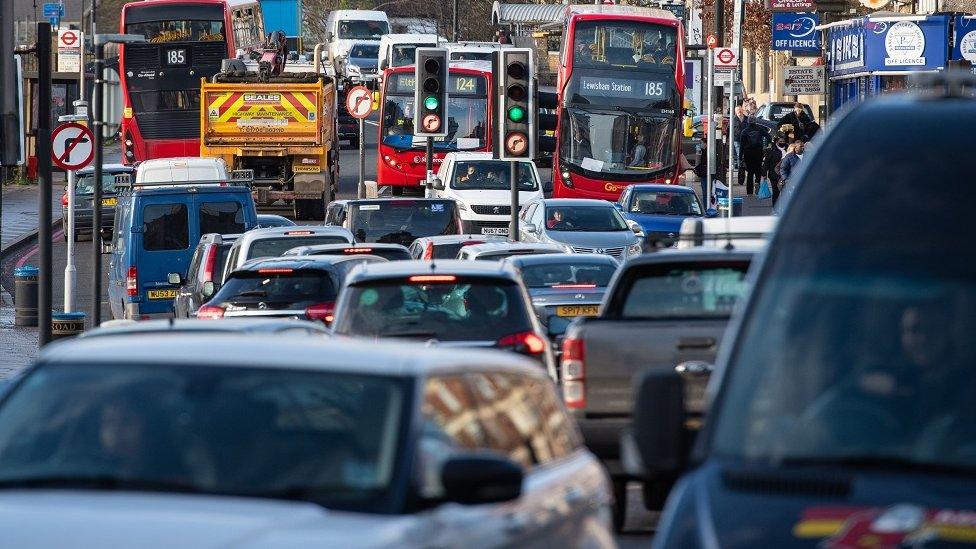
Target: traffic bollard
(25,295)
(67,324)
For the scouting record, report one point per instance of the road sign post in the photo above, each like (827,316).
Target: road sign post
(44,182)
(65,130)
(359,104)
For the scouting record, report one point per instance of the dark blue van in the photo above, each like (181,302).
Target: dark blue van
(842,409)
(157,227)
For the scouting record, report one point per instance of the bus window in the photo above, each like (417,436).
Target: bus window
(158,32)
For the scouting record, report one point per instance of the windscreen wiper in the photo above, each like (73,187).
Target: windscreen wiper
(868,461)
(98,482)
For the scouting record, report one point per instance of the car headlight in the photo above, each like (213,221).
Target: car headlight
(635,249)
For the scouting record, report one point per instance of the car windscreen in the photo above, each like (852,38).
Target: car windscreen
(274,247)
(548,275)
(402,222)
(253,432)
(475,309)
(85,183)
(365,51)
(584,219)
(357,29)
(706,290)
(779,110)
(492,175)
(276,289)
(664,203)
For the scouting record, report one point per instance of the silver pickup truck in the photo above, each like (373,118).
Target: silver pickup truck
(667,309)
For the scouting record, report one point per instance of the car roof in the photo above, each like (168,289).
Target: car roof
(272,232)
(547,259)
(264,351)
(457,238)
(373,245)
(661,187)
(463,156)
(398,199)
(189,189)
(693,255)
(111,168)
(514,246)
(321,262)
(255,324)
(402,269)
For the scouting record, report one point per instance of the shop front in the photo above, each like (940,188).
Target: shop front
(871,55)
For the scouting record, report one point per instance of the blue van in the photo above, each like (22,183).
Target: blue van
(842,409)
(157,227)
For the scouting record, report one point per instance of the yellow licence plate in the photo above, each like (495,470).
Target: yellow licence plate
(162,294)
(109,201)
(577,310)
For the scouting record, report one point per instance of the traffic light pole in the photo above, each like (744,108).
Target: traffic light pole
(99,127)
(513,228)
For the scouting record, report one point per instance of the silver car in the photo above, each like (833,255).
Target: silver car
(580,226)
(251,441)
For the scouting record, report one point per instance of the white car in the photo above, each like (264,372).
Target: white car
(211,441)
(481,187)
(275,241)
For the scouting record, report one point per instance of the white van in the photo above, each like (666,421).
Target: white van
(193,168)
(480,186)
(474,51)
(398,50)
(347,27)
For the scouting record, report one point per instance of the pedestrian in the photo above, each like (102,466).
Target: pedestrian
(752,141)
(770,168)
(701,170)
(798,119)
(740,124)
(790,163)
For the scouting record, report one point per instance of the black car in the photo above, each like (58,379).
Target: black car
(84,191)
(303,287)
(204,274)
(841,413)
(401,220)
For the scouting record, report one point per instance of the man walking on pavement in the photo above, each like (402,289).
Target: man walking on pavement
(798,119)
(790,162)
(740,124)
(770,167)
(751,143)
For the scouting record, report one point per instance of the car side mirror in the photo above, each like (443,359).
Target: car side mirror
(528,227)
(437,184)
(657,441)
(209,289)
(618,206)
(635,227)
(175,279)
(481,478)
(711,212)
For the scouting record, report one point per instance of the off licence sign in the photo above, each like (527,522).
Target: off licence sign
(803,80)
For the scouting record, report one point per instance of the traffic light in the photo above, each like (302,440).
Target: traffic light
(430,92)
(515,105)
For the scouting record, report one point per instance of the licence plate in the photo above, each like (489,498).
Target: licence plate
(577,310)
(109,201)
(503,231)
(162,294)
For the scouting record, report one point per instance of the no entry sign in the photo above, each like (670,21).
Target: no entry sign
(359,102)
(72,146)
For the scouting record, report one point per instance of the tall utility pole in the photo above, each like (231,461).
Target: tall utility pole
(455,35)
(46,270)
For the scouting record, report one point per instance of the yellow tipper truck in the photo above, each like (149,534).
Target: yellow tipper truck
(283,127)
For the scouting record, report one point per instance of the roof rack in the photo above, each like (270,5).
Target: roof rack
(238,178)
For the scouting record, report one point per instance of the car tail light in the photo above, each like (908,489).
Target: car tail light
(210,312)
(573,286)
(573,370)
(358,250)
(432,278)
(321,311)
(208,264)
(132,282)
(64,199)
(471,242)
(429,251)
(526,343)
(275,271)
(298,233)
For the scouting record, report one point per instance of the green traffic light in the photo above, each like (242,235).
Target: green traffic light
(431,103)
(516,114)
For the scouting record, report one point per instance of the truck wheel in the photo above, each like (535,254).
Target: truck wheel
(301,209)
(318,209)
(619,505)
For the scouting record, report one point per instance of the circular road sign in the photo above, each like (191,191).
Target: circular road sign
(72,146)
(359,102)
(431,123)
(725,55)
(516,144)
(711,41)
(68,38)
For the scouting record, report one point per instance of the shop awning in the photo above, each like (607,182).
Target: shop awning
(526,14)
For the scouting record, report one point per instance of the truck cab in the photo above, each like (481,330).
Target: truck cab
(481,186)
(344,28)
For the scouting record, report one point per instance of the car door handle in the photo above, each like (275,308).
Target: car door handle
(696,343)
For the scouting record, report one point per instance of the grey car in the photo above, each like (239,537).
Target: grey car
(84,188)
(579,225)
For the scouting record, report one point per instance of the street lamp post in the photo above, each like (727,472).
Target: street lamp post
(99,124)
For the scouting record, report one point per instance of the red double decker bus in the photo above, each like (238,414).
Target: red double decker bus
(620,89)
(187,41)
(402,162)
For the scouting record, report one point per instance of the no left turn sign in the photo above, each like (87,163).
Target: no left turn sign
(359,102)
(72,146)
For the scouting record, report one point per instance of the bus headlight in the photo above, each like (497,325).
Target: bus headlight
(128,142)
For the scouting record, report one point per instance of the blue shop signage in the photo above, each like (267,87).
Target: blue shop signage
(796,32)
(964,44)
(868,45)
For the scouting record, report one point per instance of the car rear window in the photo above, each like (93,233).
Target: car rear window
(276,290)
(449,310)
(548,275)
(85,183)
(392,254)
(274,247)
(166,227)
(221,217)
(685,291)
(402,222)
